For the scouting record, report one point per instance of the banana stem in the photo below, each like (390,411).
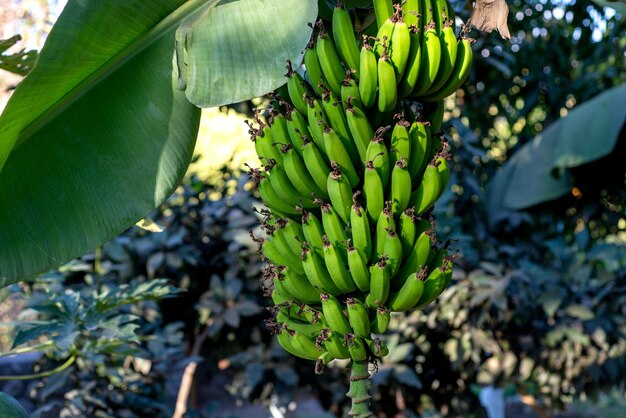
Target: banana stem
(359,390)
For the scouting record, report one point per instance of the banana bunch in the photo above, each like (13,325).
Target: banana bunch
(350,176)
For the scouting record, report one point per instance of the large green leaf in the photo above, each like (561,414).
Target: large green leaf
(239,49)
(539,171)
(96,136)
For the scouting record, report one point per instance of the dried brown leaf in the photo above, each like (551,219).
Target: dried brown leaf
(488,15)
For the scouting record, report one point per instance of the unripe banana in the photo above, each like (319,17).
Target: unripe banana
(413,65)
(305,328)
(379,283)
(380,324)
(263,143)
(329,60)
(378,154)
(297,88)
(383,10)
(340,192)
(419,135)
(279,298)
(333,342)
(298,285)
(384,224)
(289,234)
(444,173)
(435,116)
(334,314)
(448,58)
(374,192)
(417,258)
(337,118)
(272,200)
(357,316)
(334,228)
(411,11)
(337,152)
(305,345)
(316,165)
(358,268)
(337,269)
(350,92)
(313,68)
(387,82)
(410,292)
(344,35)
(315,270)
(360,228)
(298,128)
(399,44)
(313,232)
(360,128)
(428,191)
(400,188)
(431,287)
(285,189)
(400,143)
(285,340)
(299,175)
(317,119)
(462,67)
(378,348)
(368,82)
(280,132)
(355,347)
(407,229)
(393,250)
(431,54)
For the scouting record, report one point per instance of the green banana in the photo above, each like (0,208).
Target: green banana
(379,283)
(383,10)
(410,292)
(447,60)
(332,68)
(305,328)
(431,287)
(337,269)
(299,175)
(333,343)
(400,187)
(357,316)
(315,271)
(285,340)
(298,128)
(419,135)
(340,192)
(355,347)
(392,248)
(305,345)
(407,229)
(337,152)
(378,348)
(337,118)
(428,191)
(279,298)
(296,86)
(378,154)
(400,142)
(298,285)
(272,200)
(387,82)
(444,173)
(462,67)
(317,118)
(413,66)
(374,192)
(384,224)
(431,54)
(289,233)
(263,143)
(344,36)
(334,314)
(313,231)
(284,188)
(334,228)
(399,44)
(312,66)
(380,324)
(360,128)
(368,82)
(358,268)
(436,116)
(417,257)
(350,92)
(360,229)
(411,12)
(316,165)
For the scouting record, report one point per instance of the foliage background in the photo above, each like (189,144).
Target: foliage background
(537,305)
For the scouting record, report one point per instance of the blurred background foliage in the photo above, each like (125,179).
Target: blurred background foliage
(537,305)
